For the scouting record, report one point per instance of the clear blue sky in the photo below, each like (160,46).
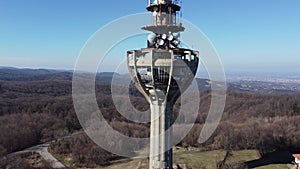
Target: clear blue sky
(249,35)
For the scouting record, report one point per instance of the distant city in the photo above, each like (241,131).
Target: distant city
(265,83)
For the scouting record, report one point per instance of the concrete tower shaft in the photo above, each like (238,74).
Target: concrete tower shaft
(161,76)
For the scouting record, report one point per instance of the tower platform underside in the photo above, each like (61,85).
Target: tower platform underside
(161,75)
(164,29)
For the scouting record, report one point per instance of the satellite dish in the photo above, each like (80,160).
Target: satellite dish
(170,37)
(175,42)
(151,39)
(161,42)
(164,36)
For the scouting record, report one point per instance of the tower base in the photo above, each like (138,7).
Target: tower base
(143,164)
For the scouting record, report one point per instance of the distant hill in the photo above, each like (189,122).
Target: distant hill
(253,85)
(15,74)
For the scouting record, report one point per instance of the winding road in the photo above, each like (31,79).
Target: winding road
(42,149)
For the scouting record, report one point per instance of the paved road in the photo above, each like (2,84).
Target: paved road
(42,149)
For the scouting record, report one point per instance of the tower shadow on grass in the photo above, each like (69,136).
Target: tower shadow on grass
(277,157)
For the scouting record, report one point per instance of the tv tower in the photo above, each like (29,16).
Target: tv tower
(162,72)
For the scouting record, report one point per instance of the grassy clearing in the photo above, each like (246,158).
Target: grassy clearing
(122,164)
(208,160)
(195,159)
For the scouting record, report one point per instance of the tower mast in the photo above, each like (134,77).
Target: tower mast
(162,72)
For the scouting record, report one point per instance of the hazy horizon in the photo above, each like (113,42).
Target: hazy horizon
(200,74)
(249,36)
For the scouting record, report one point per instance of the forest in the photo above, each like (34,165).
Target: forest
(37,109)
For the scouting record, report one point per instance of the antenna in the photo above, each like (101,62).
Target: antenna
(181,3)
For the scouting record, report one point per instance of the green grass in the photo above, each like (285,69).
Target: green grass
(194,159)
(123,164)
(208,159)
